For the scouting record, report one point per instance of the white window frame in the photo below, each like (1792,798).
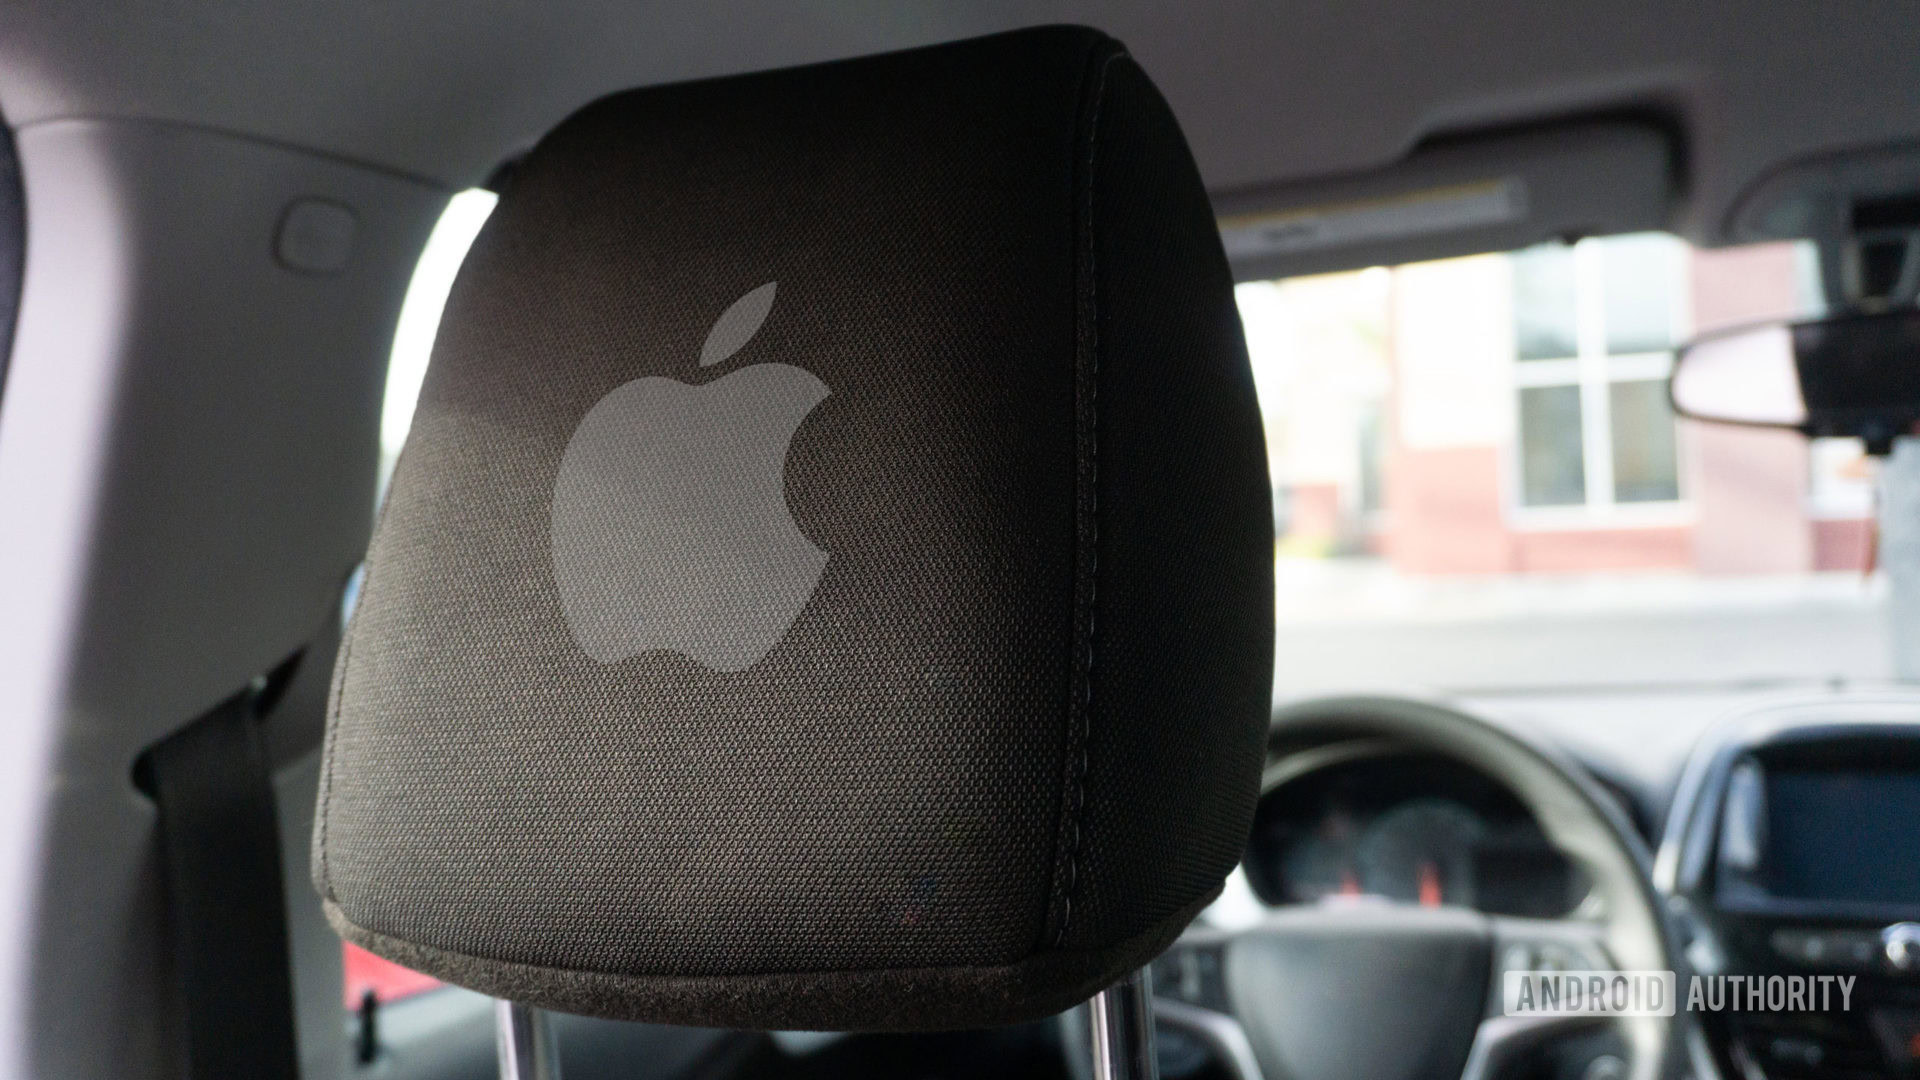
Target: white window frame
(1595,371)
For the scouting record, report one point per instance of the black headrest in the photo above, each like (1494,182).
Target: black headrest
(829,580)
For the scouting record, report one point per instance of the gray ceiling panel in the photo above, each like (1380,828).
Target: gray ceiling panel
(1268,92)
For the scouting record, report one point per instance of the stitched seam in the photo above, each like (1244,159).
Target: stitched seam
(1074,813)
(333,732)
(336,700)
(336,695)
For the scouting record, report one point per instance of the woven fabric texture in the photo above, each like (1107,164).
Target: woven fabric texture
(1007,743)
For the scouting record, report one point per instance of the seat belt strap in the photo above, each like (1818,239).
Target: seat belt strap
(220,841)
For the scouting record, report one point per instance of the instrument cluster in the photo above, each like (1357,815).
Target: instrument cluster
(1405,828)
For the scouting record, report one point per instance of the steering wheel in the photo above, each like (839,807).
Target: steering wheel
(1368,992)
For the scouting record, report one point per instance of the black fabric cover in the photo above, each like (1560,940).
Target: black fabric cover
(1009,744)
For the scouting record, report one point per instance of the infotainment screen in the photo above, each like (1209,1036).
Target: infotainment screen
(1842,835)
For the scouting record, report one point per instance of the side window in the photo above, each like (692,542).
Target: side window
(419,321)
(367,974)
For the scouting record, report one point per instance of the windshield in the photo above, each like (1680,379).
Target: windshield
(1480,488)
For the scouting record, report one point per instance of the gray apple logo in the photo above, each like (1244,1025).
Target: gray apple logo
(670,522)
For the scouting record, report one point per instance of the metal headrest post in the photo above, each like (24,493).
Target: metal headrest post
(523,1039)
(1121,1019)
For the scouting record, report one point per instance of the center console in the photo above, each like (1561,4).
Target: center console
(1793,849)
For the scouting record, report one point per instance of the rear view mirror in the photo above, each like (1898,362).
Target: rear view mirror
(1855,375)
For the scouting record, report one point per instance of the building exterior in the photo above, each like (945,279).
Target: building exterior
(1507,414)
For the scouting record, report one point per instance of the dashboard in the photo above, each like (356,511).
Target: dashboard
(1790,847)
(1370,822)
(1793,849)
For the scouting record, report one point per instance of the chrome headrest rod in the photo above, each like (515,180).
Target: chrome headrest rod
(523,1039)
(1121,1019)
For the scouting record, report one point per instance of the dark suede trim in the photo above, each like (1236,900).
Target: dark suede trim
(901,999)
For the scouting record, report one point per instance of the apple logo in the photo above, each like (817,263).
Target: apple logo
(670,522)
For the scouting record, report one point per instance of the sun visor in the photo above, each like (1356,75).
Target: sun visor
(1457,197)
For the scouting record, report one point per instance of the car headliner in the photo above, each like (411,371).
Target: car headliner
(1268,92)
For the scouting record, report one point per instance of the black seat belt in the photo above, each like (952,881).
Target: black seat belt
(220,842)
